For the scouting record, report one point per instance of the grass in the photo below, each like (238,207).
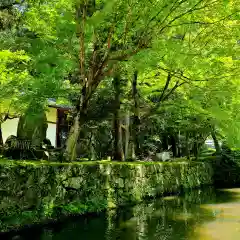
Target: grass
(5,161)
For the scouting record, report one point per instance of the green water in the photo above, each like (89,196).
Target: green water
(204,214)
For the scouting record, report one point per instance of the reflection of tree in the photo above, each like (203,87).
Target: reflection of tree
(170,219)
(141,226)
(111,223)
(162,219)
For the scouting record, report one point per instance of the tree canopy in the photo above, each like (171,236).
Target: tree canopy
(138,73)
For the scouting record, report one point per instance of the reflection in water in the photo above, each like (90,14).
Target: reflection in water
(197,215)
(226,224)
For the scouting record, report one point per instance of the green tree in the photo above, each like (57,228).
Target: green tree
(176,44)
(13,77)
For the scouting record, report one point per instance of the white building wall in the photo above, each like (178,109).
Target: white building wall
(9,127)
(51,133)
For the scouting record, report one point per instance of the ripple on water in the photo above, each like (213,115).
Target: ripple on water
(226,225)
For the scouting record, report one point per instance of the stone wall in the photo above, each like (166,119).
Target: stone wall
(33,192)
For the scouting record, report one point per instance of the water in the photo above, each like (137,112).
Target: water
(204,214)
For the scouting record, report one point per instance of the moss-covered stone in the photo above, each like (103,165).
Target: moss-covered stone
(33,127)
(36,191)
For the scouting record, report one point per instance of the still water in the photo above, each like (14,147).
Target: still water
(205,214)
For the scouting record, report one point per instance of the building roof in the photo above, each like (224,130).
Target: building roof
(53,103)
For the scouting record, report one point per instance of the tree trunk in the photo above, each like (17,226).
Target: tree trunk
(73,136)
(81,106)
(132,150)
(92,149)
(216,143)
(136,118)
(71,144)
(187,150)
(118,154)
(164,142)
(118,146)
(127,135)
(1,137)
(196,145)
(174,145)
(195,150)
(179,144)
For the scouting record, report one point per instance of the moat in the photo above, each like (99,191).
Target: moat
(205,214)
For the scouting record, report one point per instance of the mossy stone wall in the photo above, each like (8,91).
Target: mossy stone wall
(33,192)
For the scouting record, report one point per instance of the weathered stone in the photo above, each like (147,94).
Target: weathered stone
(54,189)
(33,127)
(74,182)
(163,156)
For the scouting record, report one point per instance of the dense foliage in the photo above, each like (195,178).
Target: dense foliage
(144,76)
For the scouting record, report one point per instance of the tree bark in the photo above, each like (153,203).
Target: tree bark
(92,149)
(127,135)
(136,118)
(174,145)
(81,111)
(195,150)
(81,106)
(187,150)
(165,142)
(71,144)
(179,144)
(216,143)
(198,142)
(1,137)
(117,129)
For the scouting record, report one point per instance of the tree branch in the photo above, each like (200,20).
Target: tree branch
(127,55)
(102,66)
(106,55)
(7,117)
(193,9)
(82,47)
(204,23)
(169,77)
(189,79)
(171,11)
(163,99)
(172,90)
(156,15)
